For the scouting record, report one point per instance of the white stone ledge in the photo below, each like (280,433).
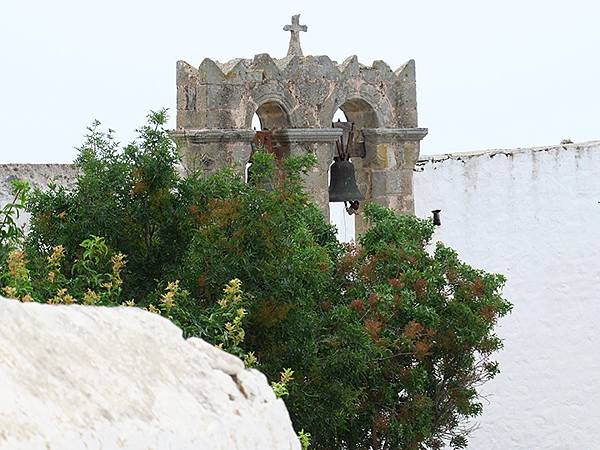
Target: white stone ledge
(491,153)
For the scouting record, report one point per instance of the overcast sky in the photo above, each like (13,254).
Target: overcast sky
(489,74)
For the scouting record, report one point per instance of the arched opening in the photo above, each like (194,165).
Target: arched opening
(343,222)
(269,116)
(362,115)
(256,125)
(272,116)
(339,116)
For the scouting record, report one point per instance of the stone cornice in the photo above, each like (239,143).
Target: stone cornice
(284,135)
(214,135)
(308,135)
(391,135)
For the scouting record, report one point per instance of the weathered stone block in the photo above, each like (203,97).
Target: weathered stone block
(94,377)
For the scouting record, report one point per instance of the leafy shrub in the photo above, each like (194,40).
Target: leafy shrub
(132,198)
(429,320)
(96,280)
(380,345)
(11,234)
(95,277)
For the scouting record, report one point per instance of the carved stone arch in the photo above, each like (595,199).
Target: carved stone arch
(361,112)
(274,111)
(359,107)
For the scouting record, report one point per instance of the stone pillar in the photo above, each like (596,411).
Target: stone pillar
(321,142)
(362,168)
(407,154)
(388,167)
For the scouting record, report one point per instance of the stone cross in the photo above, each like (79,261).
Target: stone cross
(295,28)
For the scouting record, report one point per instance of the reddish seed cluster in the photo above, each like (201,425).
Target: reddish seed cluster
(374,327)
(395,282)
(478,287)
(326,305)
(357,305)
(373,298)
(413,329)
(420,287)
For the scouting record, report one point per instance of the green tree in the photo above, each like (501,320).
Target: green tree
(378,345)
(11,234)
(422,327)
(133,198)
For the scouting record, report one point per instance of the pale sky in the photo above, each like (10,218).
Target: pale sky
(489,74)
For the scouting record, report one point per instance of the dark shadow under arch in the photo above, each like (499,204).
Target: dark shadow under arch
(273,116)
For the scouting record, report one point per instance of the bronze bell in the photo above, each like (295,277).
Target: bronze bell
(342,185)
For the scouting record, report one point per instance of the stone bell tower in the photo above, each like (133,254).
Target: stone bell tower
(295,98)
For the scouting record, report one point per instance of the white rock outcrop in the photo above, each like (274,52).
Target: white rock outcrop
(80,377)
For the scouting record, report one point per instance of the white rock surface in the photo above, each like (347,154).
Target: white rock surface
(80,377)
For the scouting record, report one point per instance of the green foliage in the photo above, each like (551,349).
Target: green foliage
(11,234)
(132,198)
(429,321)
(304,439)
(94,279)
(220,323)
(383,343)
(280,388)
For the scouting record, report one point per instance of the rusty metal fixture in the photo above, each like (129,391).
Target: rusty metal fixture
(436,217)
(262,139)
(352,139)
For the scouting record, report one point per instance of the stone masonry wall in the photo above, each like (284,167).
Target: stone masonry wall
(533,215)
(307,89)
(296,98)
(38,175)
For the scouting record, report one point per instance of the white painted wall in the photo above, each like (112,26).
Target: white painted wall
(344,222)
(533,215)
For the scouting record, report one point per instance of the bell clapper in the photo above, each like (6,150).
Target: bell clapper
(352,207)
